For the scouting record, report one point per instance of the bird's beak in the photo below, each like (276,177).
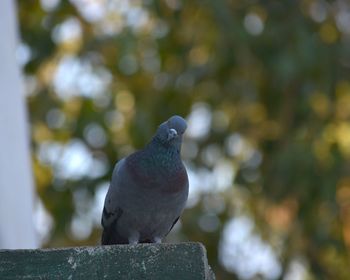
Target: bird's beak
(172,134)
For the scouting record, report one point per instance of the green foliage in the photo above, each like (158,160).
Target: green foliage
(274,77)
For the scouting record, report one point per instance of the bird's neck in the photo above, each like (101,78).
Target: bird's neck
(158,162)
(160,156)
(169,150)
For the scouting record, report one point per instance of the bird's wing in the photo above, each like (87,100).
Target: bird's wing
(173,225)
(110,234)
(112,210)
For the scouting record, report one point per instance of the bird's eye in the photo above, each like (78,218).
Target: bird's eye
(172,133)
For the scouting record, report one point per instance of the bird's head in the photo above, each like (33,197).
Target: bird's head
(171,131)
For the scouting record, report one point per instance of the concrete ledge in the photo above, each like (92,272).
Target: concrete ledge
(144,261)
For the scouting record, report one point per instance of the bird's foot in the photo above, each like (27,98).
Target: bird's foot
(133,242)
(134,238)
(157,240)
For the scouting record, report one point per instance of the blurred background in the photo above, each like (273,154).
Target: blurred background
(265,88)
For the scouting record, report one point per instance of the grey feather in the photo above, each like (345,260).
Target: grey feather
(148,190)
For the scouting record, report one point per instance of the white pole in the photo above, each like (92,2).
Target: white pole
(16,183)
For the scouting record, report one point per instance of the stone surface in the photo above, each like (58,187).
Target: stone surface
(144,261)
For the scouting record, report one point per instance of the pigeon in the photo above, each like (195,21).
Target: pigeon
(148,190)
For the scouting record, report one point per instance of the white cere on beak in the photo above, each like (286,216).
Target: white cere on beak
(172,133)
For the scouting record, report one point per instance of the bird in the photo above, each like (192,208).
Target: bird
(148,189)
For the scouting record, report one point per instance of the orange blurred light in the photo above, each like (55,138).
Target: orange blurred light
(328,33)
